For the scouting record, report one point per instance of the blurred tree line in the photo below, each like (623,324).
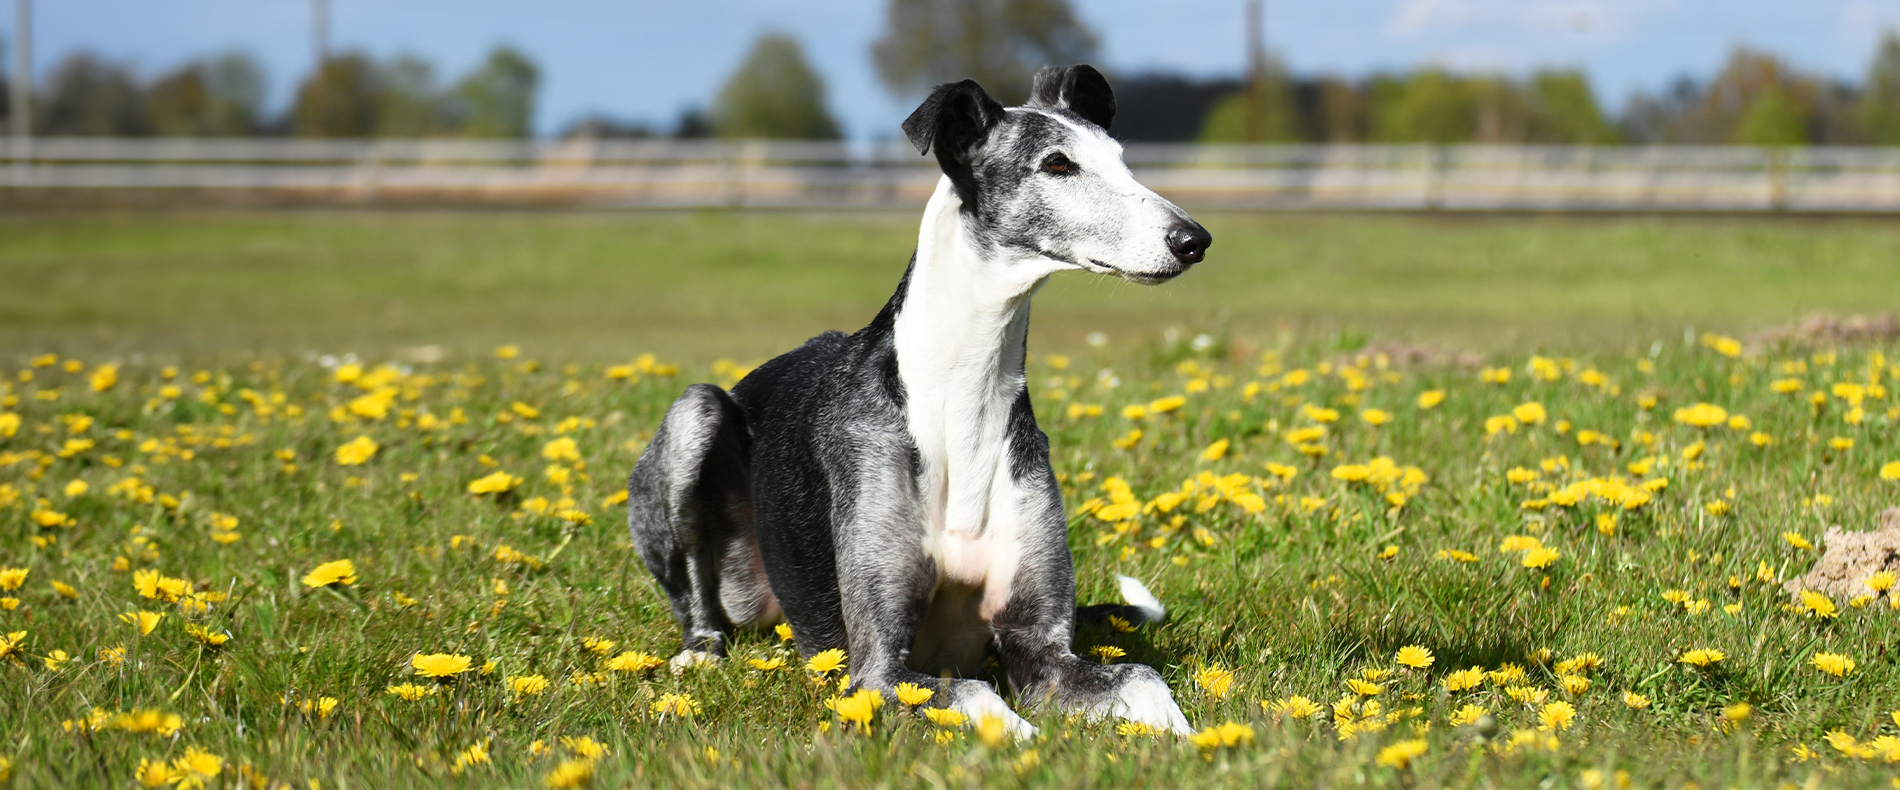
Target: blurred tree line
(351,95)
(1755,98)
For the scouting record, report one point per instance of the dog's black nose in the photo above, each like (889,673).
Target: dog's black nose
(1189,242)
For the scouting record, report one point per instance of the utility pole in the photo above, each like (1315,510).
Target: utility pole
(320,31)
(1253,121)
(21,118)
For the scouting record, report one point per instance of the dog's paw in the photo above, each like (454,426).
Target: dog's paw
(1147,700)
(691,658)
(978,701)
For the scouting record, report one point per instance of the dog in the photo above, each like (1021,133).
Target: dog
(888,492)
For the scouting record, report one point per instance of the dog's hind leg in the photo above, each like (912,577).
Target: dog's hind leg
(689,508)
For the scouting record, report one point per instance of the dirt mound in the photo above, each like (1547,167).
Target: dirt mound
(1832,330)
(1851,557)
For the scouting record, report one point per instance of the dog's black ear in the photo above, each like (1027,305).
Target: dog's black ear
(1079,89)
(955,118)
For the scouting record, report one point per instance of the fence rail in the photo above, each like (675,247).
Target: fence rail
(868,175)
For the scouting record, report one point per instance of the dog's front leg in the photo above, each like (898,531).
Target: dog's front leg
(885,583)
(1035,633)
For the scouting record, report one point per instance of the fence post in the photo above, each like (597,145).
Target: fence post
(1778,179)
(1434,177)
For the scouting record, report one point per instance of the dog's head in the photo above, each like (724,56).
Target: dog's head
(1046,181)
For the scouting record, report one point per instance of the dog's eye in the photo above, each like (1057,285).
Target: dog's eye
(1059,165)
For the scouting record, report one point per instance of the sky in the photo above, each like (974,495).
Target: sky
(648,61)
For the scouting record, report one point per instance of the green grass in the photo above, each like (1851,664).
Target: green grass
(1297,598)
(702,286)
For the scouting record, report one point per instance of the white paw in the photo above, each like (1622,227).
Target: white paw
(983,701)
(691,658)
(1148,701)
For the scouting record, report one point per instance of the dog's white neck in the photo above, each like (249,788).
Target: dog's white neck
(960,345)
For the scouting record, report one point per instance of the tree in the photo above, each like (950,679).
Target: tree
(1567,109)
(774,94)
(339,100)
(1433,106)
(999,43)
(1880,99)
(216,98)
(1280,120)
(408,103)
(1772,119)
(89,96)
(497,99)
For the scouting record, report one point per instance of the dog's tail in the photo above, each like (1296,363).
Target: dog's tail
(1142,606)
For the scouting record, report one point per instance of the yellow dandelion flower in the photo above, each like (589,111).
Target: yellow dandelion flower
(1820,604)
(1226,735)
(334,572)
(1215,680)
(55,659)
(766,664)
(1135,729)
(1414,656)
(144,620)
(357,452)
(634,661)
(1469,714)
(1890,471)
(441,665)
(784,631)
(1702,657)
(1879,582)
(409,692)
(1574,684)
(945,717)
(1702,415)
(527,685)
(1557,716)
(569,775)
(1296,706)
(153,773)
(1794,539)
(1375,417)
(859,708)
(209,638)
(1834,664)
(1400,755)
(1540,557)
(913,695)
(1464,679)
(675,705)
(826,661)
(12,578)
(1738,712)
(1215,451)
(1107,653)
(1364,689)
(495,483)
(1635,701)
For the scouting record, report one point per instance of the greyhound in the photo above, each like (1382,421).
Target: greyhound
(888,492)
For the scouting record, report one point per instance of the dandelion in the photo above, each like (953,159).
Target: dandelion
(1820,604)
(1135,729)
(1574,684)
(1879,582)
(1227,735)
(1832,663)
(495,483)
(1296,706)
(1540,557)
(1375,417)
(1635,701)
(826,661)
(766,664)
(1464,679)
(12,578)
(1702,657)
(1738,712)
(913,695)
(1702,415)
(145,621)
(409,692)
(1557,716)
(1414,656)
(1215,680)
(1430,399)
(207,638)
(357,452)
(440,665)
(1469,714)
(945,717)
(1364,689)
(527,685)
(784,631)
(1794,539)
(634,661)
(570,774)
(1215,451)
(859,708)
(155,722)
(1890,471)
(334,572)
(475,754)
(1400,755)
(675,704)
(1107,653)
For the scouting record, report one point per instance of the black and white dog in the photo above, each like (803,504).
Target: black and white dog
(888,491)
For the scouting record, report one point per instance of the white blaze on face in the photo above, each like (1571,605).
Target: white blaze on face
(1105,221)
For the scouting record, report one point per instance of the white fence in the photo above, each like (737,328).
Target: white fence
(666,173)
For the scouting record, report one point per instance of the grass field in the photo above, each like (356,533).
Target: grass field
(1567,522)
